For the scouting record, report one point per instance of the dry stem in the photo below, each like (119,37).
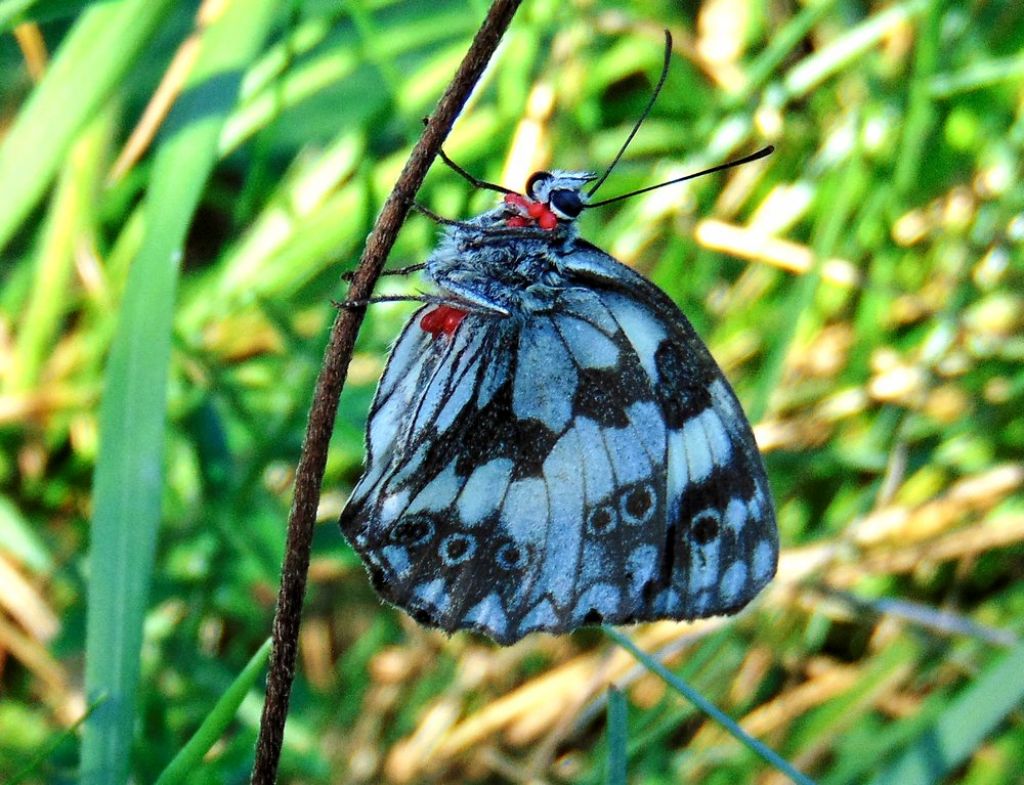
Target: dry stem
(310,472)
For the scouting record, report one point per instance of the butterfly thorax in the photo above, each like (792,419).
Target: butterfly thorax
(498,275)
(505,261)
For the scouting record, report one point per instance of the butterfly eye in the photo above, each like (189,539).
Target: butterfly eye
(536,179)
(566,203)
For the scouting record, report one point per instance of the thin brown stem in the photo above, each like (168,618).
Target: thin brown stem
(333,372)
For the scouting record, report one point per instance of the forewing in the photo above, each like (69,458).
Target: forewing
(424,376)
(398,510)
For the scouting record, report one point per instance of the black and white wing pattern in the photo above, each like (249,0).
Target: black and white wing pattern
(586,463)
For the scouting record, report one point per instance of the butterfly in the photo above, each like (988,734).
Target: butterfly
(551,445)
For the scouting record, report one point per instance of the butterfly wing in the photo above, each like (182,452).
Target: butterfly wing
(445,453)
(513,471)
(719,542)
(576,466)
(398,512)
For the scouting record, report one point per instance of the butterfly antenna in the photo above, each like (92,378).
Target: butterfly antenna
(643,115)
(764,151)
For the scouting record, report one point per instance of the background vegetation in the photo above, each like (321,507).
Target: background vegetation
(166,283)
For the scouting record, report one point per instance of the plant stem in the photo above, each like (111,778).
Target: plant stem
(331,380)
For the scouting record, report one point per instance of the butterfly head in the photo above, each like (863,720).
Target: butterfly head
(551,198)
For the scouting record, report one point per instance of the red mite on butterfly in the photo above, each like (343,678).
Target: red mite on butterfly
(538,211)
(445,318)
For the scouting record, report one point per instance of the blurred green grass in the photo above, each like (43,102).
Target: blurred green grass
(880,349)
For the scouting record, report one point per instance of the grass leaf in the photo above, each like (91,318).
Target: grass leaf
(216,722)
(754,745)
(618,734)
(962,725)
(129,473)
(104,43)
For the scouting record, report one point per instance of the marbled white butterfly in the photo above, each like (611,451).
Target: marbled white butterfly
(551,445)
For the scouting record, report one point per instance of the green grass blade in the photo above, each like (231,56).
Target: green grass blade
(67,219)
(976,77)
(128,479)
(962,726)
(103,43)
(844,188)
(618,733)
(12,11)
(921,114)
(36,766)
(19,538)
(728,723)
(843,51)
(782,43)
(216,722)
(16,12)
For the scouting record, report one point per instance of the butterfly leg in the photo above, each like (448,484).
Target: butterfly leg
(476,182)
(407,270)
(470,304)
(392,298)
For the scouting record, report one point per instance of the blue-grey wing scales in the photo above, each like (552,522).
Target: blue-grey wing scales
(585,464)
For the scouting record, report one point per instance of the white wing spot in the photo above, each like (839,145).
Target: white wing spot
(393,506)
(595,566)
(698,452)
(560,561)
(642,330)
(434,593)
(701,603)
(764,561)
(757,504)
(597,470)
(457,400)
(704,562)
(646,418)
(438,494)
(545,378)
(525,513)
(668,603)
(718,439)
(495,374)
(484,490)
(410,468)
(629,458)
(397,559)
(590,347)
(736,515)
(641,565)
(385,424)
(587,306)
(724,401)
(678,468)
(541,616)
(601,597)
(733,581)
(489,614)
